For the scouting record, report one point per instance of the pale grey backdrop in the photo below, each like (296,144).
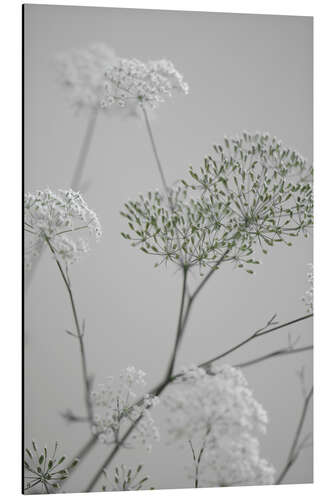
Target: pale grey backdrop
(248,72)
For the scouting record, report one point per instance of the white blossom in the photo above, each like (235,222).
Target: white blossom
(219,412)
(131,80)
(236,462)
(115,410)
(58,219)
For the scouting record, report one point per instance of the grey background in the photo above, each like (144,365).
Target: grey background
(248,72)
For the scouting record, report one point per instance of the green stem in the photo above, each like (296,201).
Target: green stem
(79,334)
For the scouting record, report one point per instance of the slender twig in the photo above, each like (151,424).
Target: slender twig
(274,354)
(296,448)
(153,144)
(258,333)
(79,333)
(83,154)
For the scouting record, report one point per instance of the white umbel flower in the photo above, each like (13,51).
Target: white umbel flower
(115,410)
(219,413)
(82,73)
(131,80)
(58,219)
(236,462)
(222,402)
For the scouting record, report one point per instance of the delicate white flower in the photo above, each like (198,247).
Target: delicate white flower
(223,403)
(219,412)
(117,410)
(308,299)
(130,80)
(57,219)
(236,462)
(82,72)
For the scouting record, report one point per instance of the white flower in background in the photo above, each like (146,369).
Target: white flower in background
(58,219)
(308,299)
(223,403)
(220,411)
(236,462)
(82,73)
(116,409)
(130,80)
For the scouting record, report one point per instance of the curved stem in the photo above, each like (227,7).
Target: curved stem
(79,333)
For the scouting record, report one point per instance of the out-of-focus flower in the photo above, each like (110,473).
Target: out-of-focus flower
(56,219)
(130,80)
(252,191)
(125,479)
(44,469)
(82,73)
(223,403)
(236,462)
(219,410)
(115,410)
(308,299)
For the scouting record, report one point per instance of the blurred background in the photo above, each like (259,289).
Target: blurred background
(249,72)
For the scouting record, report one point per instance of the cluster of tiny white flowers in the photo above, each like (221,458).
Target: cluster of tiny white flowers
(148,83)
(308,299)
(58,218)
(220,410)
(82,72)
(117,410)
(237,462)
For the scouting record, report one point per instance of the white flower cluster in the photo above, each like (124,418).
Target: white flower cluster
(117,410)
(56,218)
(148,83)
(308,299)
(82,72)
(220,411)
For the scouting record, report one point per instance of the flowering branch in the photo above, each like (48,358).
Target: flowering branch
(168,379)
(296,446)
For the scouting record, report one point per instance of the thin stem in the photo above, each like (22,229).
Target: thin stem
(79,334)
(83,154)
(180,326)
(295,449)
(255,335)
(274,354)
(153,144)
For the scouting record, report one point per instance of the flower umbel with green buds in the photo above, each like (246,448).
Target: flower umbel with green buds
(125,479)
(45,470)
(250,191)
